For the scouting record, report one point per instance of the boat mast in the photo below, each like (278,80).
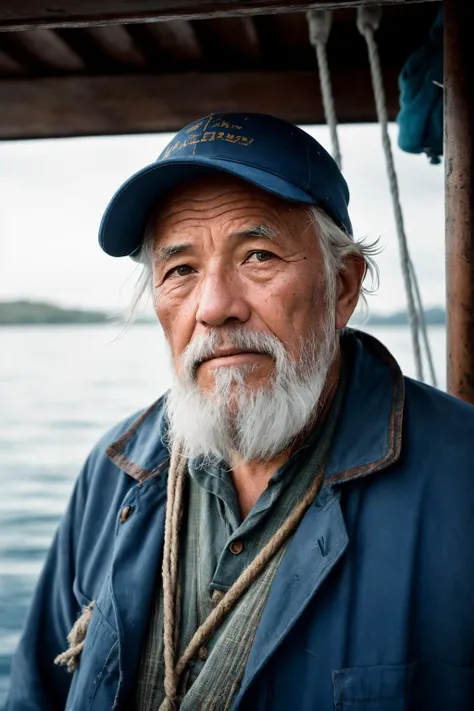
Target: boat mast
(459,167)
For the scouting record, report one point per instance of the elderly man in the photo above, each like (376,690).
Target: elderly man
(291,526)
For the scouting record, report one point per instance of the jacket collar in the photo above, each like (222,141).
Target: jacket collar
(368,436)
(141,450)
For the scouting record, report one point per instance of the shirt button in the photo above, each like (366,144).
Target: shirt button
(236,547)
(202,653)
(125,513)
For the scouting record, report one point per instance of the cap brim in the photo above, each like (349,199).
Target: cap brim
(123,224)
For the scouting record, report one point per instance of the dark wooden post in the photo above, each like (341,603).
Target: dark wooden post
(459,161)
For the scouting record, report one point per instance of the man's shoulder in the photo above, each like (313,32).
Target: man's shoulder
(432,407)
(438,432)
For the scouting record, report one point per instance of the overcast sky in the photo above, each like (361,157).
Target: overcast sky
(53,193)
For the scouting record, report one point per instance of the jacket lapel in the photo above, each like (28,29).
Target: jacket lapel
(317,545)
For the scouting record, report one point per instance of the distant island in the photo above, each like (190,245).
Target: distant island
(435,316)
(24,312)
(17,313)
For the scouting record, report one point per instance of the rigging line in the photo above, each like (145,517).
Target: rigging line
(319,25)
(423,327)
(368,21)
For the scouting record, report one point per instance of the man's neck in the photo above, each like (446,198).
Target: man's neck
(250,479)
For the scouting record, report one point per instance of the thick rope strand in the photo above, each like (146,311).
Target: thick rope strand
(76,639)
(170,555)
(176,482)
(247,577)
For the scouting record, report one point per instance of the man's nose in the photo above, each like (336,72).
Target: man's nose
(222,299)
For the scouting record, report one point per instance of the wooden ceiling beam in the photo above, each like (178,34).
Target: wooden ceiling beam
(10,66)
(108,105)
(169,45)
(29,14)
(41,49)
(233,40)
(118,45)
(243,36)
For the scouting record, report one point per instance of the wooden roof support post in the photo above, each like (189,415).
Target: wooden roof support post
(459,162)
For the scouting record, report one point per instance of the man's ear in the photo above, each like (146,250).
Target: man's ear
(348,286)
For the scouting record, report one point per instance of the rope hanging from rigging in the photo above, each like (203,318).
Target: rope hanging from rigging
(319,25)
(423,327)
(368,21)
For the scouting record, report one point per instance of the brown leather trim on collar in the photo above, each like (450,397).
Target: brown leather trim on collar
(395,425)
(116,455)
(138,473)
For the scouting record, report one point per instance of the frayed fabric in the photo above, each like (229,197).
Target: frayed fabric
(76,639)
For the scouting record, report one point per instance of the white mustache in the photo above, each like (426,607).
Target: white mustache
(206,346)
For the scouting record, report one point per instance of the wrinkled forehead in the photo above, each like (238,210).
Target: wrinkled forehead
(219,198)
(204,190)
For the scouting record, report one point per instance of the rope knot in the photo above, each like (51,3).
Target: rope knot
(76,639)
(319,25)
(368,19)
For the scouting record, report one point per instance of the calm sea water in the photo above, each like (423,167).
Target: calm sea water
(61,388)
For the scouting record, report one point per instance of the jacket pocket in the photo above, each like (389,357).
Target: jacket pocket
(378,688)
(95,681)
(424,685)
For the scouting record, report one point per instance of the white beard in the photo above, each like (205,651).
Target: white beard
(237,421)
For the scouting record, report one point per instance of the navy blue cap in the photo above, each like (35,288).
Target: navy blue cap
(263,150)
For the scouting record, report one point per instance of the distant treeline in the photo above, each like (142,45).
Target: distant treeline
(435,316)
(36,312)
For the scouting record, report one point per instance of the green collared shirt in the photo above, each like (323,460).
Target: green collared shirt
(216,546)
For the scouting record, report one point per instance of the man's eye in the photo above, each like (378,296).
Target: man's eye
(181,271)
(260,256)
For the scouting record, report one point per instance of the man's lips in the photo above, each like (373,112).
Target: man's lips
(234,354)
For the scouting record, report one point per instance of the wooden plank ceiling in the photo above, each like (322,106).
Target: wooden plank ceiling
(158,76)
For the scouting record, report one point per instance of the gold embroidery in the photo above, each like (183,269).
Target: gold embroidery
(194,128)
(208,136)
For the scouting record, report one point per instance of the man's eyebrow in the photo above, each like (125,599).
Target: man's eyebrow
(165,252)
(259,231)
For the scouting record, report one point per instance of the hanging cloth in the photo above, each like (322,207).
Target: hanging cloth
(420,119)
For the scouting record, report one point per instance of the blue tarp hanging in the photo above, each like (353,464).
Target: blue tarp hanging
(420,119)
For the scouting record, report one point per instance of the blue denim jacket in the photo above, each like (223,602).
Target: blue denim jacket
(373,604)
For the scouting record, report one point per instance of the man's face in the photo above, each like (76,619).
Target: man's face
(230,256)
